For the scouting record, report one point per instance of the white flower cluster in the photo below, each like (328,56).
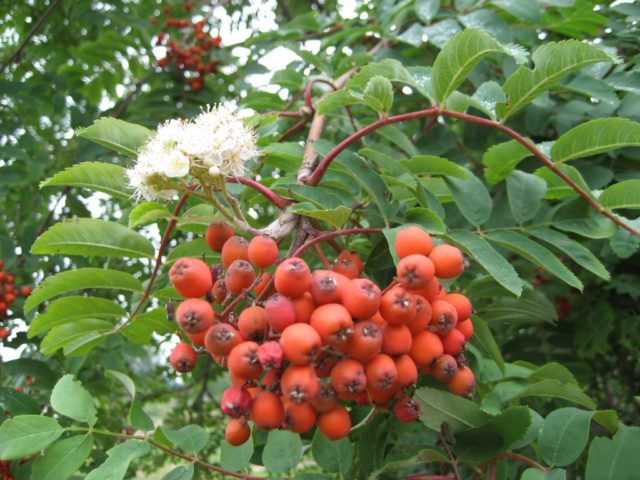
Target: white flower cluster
(216,142)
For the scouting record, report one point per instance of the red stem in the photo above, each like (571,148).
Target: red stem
(307,90)
(286,114)
(520,458)
(272,196)
(315,177)
(163,246)
(296,127)
(329,235)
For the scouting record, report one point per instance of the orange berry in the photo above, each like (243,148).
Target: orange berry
(191,277)
(279,312)
(444,317)
(366,341)
(407,371)
(454,342)
(423,316)
(444,367)
(348,379)
(217,234)
(362,298)
(267,411)
(327,286)
(300,343)
(195,315)
(221,338)
(299,417)
(398,307)
(243,361)
(262,251)
(237,431)
(348,264)
(381,372)
(461,304)
(466,327)
(293,277)
(304,307)
(252,323)
(299,383)
(333,322)
(415,271)
(335,424)
(463,382)
(235,248)
(265,278)
(412,240)
(240,275)
(426,347)
(183,358)
(396,339)
(325,398)
(447,260)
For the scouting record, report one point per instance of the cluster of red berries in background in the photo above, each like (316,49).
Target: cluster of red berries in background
(188,46)
(8,294)
(303,342)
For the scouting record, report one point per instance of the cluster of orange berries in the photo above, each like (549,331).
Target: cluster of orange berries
(8,294)
(305,340)
(191,51)
(5,470)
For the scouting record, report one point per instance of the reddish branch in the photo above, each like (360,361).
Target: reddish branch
(315,177)
(161,249)
(272,196)
(329,235)
(520,458)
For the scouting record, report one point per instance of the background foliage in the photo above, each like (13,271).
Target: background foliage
(566,350)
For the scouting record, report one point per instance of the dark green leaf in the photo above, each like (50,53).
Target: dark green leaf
(564,435)
(98,176)
(25,435)
(471,197)
(501,159)
(594,137)
(92,237)
(282,451)
(190,438)
(439,406)
(432,165)
(115,134)
(332,456)
(79,279)
(487,256)
(118,460)
(483,337)
(63,458)
(426,9)
(616,457)
(236,458)
(498,435)
(378,94)
(180,473)
(535,253)
(622,195)
(525,192)
(142,327)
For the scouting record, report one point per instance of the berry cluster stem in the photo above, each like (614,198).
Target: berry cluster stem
(317,174)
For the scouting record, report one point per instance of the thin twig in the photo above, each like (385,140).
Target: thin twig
(15,56)
(520,458)
(337,233)
(269,194)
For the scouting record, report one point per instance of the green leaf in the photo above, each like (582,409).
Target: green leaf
(236,458)
(433,165)
(336,217)
(337,99)
(625,194)
(458,57)
(624,243)
(553,61)
(426,219)
(79,279)
(527,11)
(197,248)
(498,435)
(439,406)
(536,474)
(282,451)
(426,9)
(594,137)
(564,435)
(180,473)
(25,435)
(92,237)
(501,159)
(190,438)
(525,193)
(484,338)
(69,309)
(71,399)
(137,416)
(118,460)
(555,389)
(616,457)
(18,403)
(63,458)
(76,338)
(148,212)
(574,250)
(471,197)
(535,253)
(118,135)
(142,327)
(531,308)
(332,456)
(97,176)
(426,455)
(578,217)
(378,94)
(556,187)
(489,258)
